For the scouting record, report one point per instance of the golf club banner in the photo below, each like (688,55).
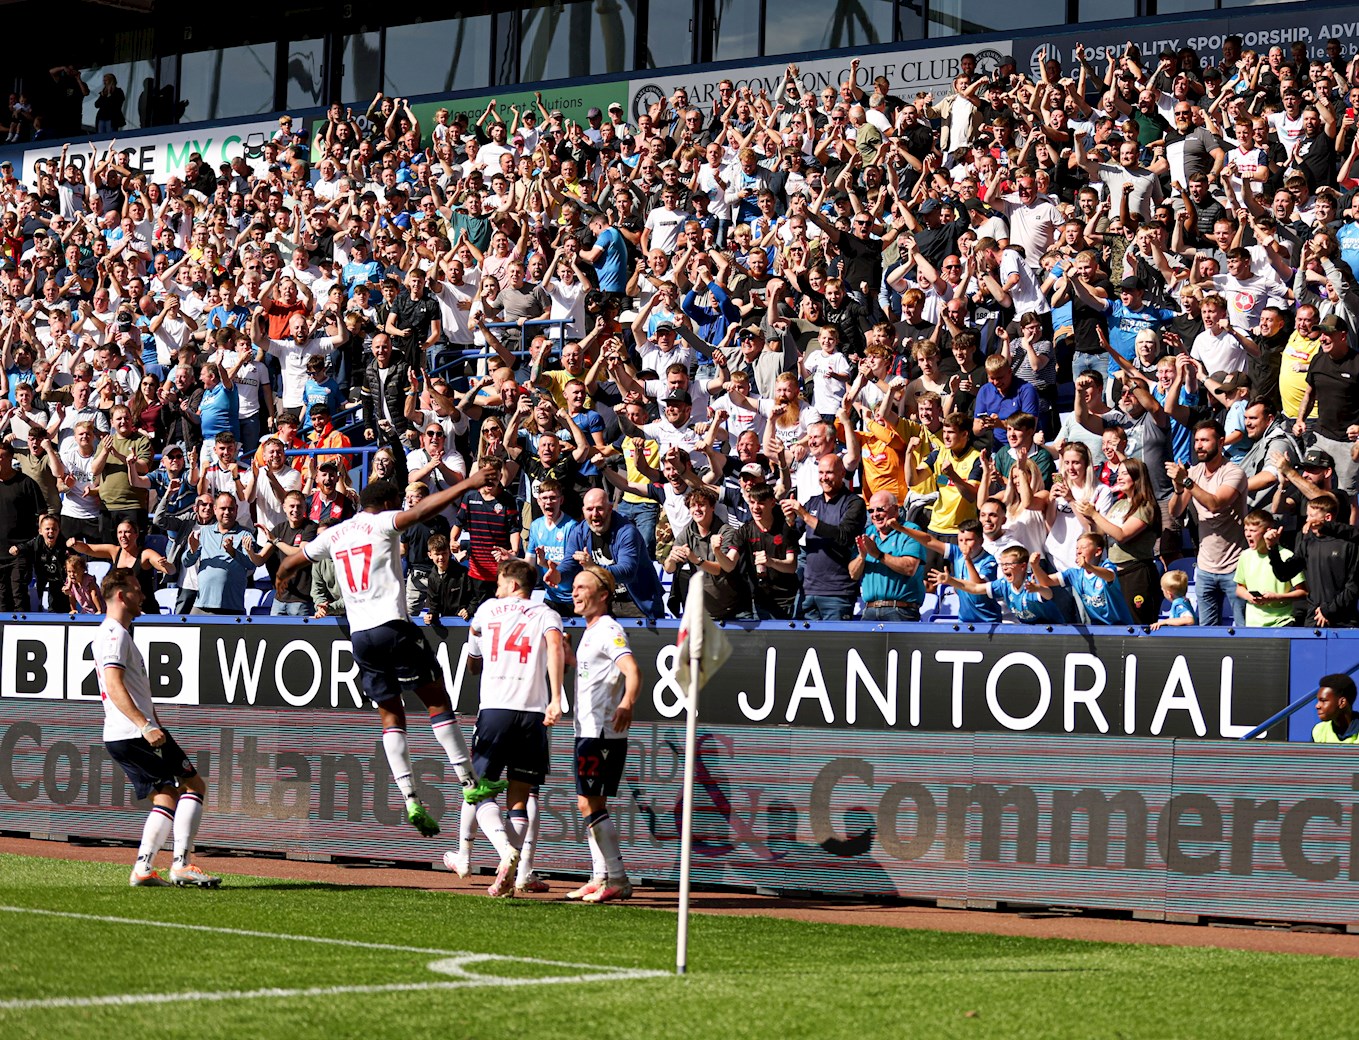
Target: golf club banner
(911,678)
(1234,829)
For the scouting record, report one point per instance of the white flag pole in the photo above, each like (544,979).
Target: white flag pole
(695,624)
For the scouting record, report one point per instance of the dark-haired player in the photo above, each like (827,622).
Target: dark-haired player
(517,648)
(141,745)
(389,650)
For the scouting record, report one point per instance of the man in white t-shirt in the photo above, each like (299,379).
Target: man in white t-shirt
(663,224)
(517,647)
(389,650)
(294,351)
(1247,294)
(1221,346)
(136,740)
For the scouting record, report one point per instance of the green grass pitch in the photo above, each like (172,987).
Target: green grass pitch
(400,964)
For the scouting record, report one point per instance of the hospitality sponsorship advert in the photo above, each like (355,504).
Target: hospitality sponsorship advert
(919,679)
(1234,829)
(1258,32)
(908,72)
(165,155)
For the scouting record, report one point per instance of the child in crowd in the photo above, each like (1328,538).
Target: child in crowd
(1030,602)
(1093,581)
(47,556)
(447,590)
(1269,600)
(1174,584)
(81,590)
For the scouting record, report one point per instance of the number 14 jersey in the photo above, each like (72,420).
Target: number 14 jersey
(367,554)
(510,636)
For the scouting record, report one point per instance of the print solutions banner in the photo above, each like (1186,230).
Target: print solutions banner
(925,677)
(1256,831)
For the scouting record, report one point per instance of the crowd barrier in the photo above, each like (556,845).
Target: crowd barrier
(1001,766)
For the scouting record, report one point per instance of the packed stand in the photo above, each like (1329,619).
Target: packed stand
(1067,351)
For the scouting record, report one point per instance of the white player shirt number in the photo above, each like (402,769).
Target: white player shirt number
(358,558)
(515,644)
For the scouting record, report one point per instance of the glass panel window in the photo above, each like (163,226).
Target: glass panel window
(792,26)
(736,29)
(306,73)
(1106,10)
(436,57)
(577,39)
(1254,3)
(361,60)
(107,107)
(1176,6)
(670,35)
(232,81)
(953,17)
(911,20)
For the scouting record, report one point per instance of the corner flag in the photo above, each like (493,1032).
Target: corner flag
(699,640)
(703,647)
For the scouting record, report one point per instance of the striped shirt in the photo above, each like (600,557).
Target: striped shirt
(489,522)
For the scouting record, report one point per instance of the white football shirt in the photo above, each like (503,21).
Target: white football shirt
(367,552)
(599,682)
(510,637)
(113,648)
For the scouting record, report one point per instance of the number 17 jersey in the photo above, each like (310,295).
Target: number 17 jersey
(510,637)
(367,554)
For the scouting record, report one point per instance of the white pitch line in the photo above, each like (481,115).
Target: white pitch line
(130,999)
(452,963)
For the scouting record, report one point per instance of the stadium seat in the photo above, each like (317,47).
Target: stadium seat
(253,598)
(98,569)
(167,599)
(1188,564)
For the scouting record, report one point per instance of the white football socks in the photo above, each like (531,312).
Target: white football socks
(154,832)
(187,816)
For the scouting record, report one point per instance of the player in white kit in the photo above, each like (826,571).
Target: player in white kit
(137,741)
(388,648)
(607,683)
(517,647)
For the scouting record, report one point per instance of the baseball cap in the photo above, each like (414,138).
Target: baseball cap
(928,206)
(753,470)
(1006,59)
(678,397)
(663,325)
(1230,381)
(594,113)
(751,330)
(975,205)
(1130,284)
(1333,323)
(1317,459)
(615,106)
(172,447)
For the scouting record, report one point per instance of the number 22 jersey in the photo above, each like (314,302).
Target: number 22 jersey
(367,554)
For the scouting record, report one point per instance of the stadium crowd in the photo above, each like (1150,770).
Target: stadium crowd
(1043,351)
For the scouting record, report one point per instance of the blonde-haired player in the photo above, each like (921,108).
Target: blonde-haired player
(607,682)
